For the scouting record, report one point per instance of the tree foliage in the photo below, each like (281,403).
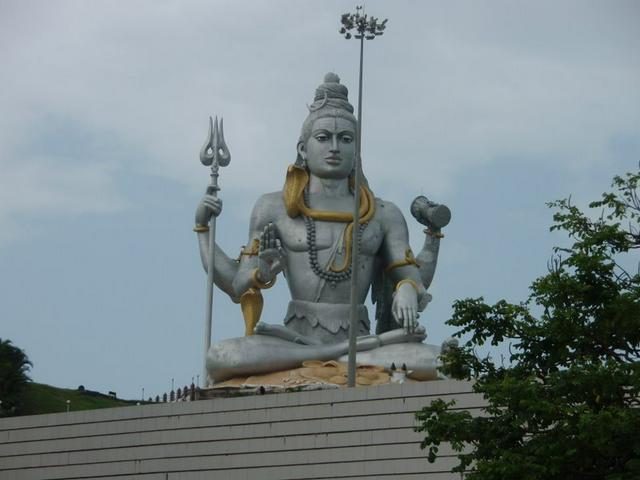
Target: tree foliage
(14,365)
(566,404)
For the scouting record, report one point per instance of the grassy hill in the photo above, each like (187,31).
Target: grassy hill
(40,398)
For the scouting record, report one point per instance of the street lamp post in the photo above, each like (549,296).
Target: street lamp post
(364,28)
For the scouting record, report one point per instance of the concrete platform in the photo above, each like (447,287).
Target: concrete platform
(339,434)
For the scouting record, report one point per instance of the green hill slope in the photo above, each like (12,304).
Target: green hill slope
(40,398)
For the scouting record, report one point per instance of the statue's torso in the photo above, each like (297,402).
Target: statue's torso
(304,284)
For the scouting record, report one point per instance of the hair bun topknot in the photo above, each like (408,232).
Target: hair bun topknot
(331,78)
(332,93)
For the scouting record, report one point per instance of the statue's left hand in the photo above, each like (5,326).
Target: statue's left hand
(272,256)
(405,307)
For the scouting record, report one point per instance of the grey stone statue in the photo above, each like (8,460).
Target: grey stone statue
(304,232)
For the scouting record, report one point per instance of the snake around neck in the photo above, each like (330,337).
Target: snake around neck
(296,198)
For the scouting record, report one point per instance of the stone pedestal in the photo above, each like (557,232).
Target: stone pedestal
(354,433)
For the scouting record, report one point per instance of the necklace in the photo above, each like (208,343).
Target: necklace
(332,276)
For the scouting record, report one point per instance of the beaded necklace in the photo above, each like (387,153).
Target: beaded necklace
(332,276)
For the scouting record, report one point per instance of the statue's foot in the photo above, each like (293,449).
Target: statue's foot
(280,331)
(400,335)
(363,342)
(421,360)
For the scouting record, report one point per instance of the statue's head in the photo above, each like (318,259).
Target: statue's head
(331,100)
(326,147)
(329,126)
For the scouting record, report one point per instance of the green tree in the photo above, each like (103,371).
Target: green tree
(566,404)
(14,365)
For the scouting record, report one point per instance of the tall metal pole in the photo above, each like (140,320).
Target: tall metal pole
(366,28)
(355,244)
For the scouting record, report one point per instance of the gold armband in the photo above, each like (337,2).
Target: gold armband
(409,281)
(409,259)
(256,283)
(433,234)
(200,228)
(251,251)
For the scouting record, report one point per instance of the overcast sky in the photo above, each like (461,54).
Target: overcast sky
(493,108)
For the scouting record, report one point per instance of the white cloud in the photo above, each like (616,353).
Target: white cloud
(448,88)
(40,187)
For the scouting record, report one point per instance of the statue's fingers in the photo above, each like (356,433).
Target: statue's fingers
(266,230)
(273,238)
(281,255)
(261,242)
(213,208)
(407,315)
(394,311)
(264,239)
(400,314)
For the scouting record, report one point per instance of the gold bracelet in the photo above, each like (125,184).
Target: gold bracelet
(200,228)
(433,234)
(409,259)
(256,283)
(409,281)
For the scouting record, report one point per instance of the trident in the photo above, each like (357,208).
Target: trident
(214,154)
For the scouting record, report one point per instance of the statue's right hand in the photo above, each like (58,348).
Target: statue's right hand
(272,256)
(209,206)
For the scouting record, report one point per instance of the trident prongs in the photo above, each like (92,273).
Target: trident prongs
(225,155)
(207,151)
(215,152)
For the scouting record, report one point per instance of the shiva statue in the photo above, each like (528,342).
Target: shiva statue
(304,231)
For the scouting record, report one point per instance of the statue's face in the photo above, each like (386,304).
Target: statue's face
(331,148)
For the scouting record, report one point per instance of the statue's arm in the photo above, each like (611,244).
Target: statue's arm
(428,257)
(396,252)
(262,217)
(224,268)
(434,216)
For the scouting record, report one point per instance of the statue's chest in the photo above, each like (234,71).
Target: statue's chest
(296,235)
